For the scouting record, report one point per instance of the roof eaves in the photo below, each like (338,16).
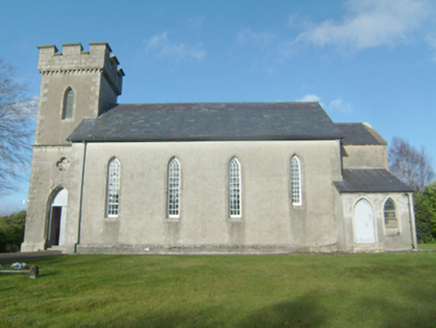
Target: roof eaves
(199,138)
(373,180)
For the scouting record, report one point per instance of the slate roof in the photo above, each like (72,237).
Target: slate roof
(359,134)
(370,180)
(209,121)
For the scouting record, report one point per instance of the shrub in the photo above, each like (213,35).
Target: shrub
(12,232)
(425,214)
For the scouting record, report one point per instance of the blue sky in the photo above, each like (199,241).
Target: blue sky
(364,60)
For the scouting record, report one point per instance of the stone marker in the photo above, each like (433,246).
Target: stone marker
(33,272)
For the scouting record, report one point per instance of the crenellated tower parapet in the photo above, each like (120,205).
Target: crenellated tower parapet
(73,60)
(75,84)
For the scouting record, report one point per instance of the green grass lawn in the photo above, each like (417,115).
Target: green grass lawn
(362,290)
(427,247)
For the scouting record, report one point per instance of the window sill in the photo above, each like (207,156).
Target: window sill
(392,232)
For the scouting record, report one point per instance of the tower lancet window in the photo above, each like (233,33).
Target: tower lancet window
(68,105)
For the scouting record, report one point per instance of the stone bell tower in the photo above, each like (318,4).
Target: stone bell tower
(74,84)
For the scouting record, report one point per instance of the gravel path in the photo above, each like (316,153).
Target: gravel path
(26,255)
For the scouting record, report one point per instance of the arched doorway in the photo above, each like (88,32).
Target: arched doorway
(363,223)
(57,219)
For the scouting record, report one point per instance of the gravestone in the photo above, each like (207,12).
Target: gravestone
(33,272)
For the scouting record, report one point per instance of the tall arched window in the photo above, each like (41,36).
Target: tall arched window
(113,188)
(68,105)
(390,215)
(296,181)
(173,202)
(235,189)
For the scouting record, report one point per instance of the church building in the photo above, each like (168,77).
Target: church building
(201,178)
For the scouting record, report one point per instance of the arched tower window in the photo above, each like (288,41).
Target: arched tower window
(173,201)
(113,188)
(296,181)
(390,215)
(68,105)
(235,189)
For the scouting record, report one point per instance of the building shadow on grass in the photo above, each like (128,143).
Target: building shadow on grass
(301,312)
(416,314)
(308,310)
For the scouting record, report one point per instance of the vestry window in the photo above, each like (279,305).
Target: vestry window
(390,215)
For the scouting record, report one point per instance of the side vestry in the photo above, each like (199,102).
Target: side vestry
(201,177)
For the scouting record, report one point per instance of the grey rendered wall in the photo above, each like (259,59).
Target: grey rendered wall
(269,220)
(385,241)
(364,156)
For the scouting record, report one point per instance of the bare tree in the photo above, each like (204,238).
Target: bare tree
(410,165)
(17,113)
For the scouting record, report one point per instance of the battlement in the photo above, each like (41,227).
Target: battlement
(73,60)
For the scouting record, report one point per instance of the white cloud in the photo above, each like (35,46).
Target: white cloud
(431,41)
(196,22)
(338,105)
(370,24)
(161,46)
(258,38)
(309,98)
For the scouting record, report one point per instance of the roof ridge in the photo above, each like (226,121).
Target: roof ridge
(222,102)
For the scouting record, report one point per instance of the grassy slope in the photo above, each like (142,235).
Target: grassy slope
(389,290)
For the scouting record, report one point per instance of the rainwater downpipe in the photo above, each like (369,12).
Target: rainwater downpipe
(81,197)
